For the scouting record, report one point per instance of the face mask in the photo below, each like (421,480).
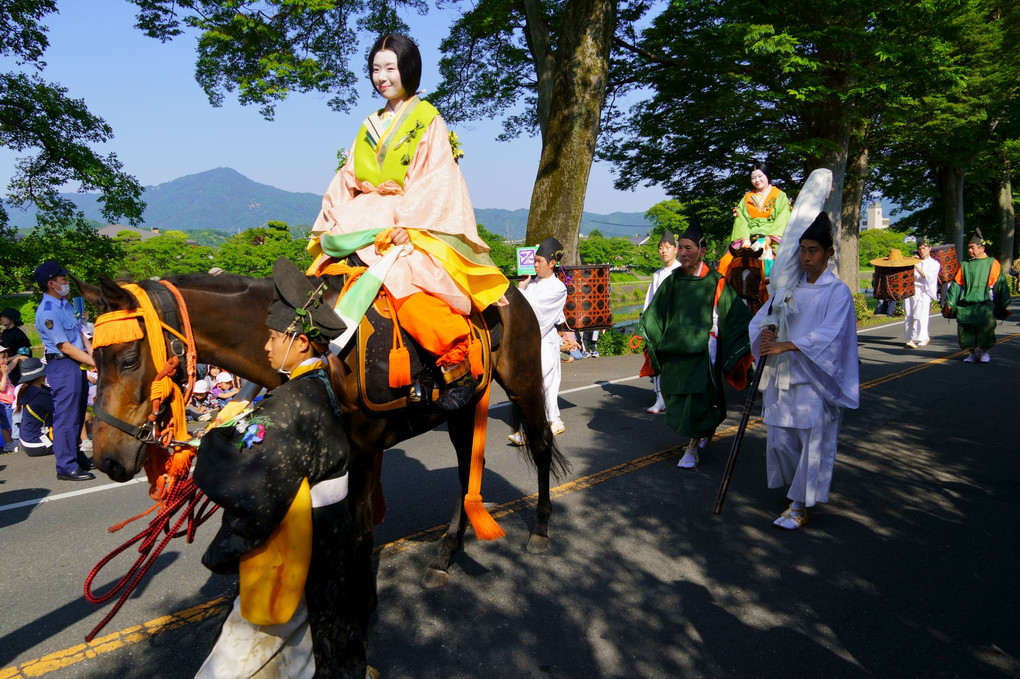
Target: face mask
(64,290)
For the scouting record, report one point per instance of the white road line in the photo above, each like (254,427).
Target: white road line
(598,384)
(73,493)
(889,325)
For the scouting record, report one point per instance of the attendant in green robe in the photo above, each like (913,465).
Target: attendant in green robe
(696,332)
(978,297)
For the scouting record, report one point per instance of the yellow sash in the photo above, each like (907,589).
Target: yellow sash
(273,575)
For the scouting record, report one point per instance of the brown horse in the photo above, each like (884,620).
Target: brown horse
(746,273)
(228,315)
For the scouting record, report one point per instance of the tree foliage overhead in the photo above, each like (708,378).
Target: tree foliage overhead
(56,131)
(267,49)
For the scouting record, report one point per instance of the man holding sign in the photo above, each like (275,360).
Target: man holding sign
(547,294)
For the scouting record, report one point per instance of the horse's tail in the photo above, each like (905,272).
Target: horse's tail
(558,464)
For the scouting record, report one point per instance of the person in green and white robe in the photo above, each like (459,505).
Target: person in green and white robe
(696,332)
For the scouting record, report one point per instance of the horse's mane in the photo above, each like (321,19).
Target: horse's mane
(224,282)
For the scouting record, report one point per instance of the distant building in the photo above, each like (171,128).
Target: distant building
(638,240)
(875,219)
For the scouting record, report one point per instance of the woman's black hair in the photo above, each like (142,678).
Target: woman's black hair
(408,60)
(754,166)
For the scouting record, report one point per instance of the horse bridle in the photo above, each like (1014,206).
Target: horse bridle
(164,299)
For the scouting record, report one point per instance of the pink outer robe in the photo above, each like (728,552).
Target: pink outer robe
(434,198)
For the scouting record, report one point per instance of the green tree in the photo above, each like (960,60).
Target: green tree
(252,252)
(56,131)
(615,251)
(162,255)
(967,124)
(268,49)
(504,255)
(74,243)
(795,85)
(875,243)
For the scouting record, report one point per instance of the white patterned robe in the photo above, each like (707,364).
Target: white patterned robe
(803,416)
(918,307)
(547,297)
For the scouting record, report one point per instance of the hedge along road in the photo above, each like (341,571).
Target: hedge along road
(909,571)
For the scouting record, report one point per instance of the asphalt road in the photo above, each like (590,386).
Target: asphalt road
(909,571)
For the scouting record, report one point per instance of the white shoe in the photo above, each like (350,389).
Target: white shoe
(985,357)
(86,446)
(911,344)
(659,406)
(791,519)
(517,438)
(923,342)
(689,460)
(557,427)
(969,358)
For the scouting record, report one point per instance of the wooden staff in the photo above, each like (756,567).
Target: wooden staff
(739,438)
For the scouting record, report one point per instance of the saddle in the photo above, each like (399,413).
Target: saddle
(376,339)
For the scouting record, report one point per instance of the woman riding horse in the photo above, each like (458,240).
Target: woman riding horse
(401,185)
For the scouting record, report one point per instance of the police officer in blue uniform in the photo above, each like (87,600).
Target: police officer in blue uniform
(66,349)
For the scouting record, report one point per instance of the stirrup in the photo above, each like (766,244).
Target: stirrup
(791,519)
(418,393)
(458,393)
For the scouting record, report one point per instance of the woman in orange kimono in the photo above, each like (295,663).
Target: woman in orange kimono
(401,184)
(759,219)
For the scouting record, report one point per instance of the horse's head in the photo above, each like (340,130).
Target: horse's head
(747,276)
(126,373)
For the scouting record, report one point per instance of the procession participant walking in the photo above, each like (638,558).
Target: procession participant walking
(667,252)
(926,290)
(696,333)
(279,473)
(815,377)
(547,294)
(66,349)
(977,297)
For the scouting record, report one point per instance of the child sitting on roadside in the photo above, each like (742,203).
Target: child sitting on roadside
(201,403)
(36,400)
(224,389)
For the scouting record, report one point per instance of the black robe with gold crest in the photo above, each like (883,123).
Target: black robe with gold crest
(255,483)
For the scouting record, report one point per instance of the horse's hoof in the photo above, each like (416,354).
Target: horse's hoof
(434,578)
(538,544)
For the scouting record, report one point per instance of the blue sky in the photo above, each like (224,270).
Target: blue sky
(165,127)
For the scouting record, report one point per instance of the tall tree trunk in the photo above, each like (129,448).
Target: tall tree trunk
(950,180)
(829,122)
(853,198)
(568,145)
(1007,219)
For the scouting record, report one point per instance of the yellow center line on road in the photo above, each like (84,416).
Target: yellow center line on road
(132,635)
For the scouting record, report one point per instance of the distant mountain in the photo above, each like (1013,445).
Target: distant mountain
(225,200)
(513,224)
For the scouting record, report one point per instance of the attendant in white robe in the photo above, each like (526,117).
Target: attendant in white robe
(547,294)
(813,376)
(667,251)
(926,290)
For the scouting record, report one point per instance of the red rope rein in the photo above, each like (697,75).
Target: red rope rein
(183,494)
